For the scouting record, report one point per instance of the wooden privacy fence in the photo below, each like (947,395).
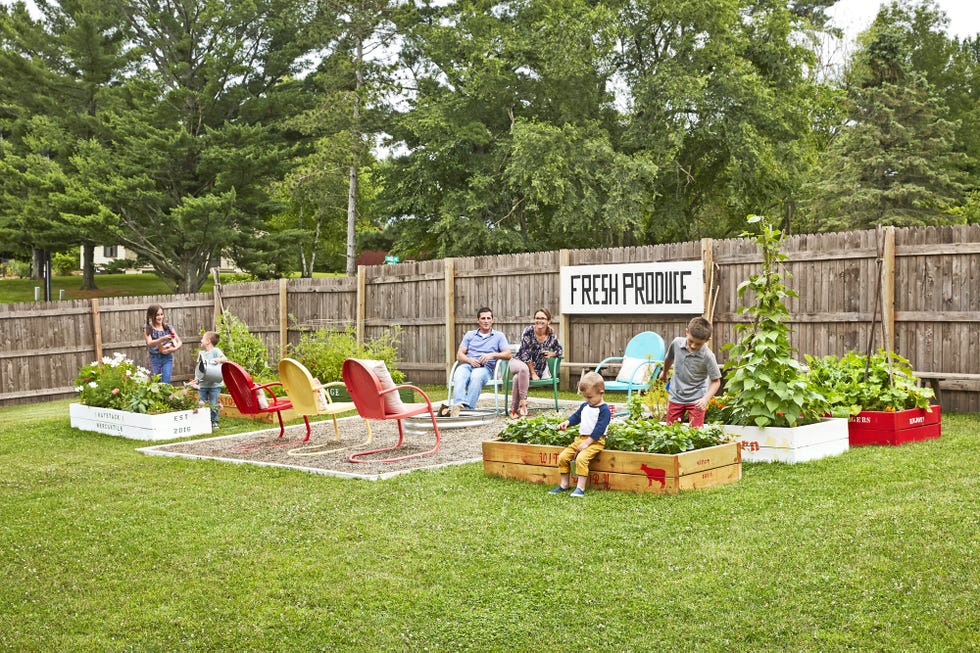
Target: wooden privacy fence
(928,311)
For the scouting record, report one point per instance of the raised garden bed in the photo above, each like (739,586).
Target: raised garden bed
(828,437)
(620,470)
(894,427)
(140,426)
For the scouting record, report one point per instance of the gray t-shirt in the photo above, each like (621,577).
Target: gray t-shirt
(692,371)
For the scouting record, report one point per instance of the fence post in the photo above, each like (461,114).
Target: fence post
(449,272)
(708,261)
(564,329)
(888,289)
(361,299)
(96,328)
(283,317)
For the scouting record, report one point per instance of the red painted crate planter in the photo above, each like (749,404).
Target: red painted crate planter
(893,428)
(620,470)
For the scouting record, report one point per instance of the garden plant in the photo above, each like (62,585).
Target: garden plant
(635,435)
(323,351)
(764,382)
(117,382)
(854,382)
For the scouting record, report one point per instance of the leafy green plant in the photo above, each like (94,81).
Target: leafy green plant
(764,382)
(637,435)
(323,352)
(890,384)
(117,382)
(540,429)
(651,436)
(241,346)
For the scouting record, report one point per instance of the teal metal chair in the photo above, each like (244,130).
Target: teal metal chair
(640,364)
(553,365)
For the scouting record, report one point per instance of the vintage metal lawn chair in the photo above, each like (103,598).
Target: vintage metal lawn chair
(641,363)
(376,397)
(553,365)
(310,397)
(496,383)
(246,395)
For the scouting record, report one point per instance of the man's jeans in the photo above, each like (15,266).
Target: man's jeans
(468,382)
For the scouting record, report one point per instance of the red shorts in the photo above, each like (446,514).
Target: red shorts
(675,413)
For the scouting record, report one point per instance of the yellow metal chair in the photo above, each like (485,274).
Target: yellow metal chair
(309,397)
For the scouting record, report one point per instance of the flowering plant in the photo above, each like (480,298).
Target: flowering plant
(117,382)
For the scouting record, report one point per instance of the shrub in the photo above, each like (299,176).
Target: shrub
(65,263)
(117,382)
(241,346)
(323,352)
(890,383)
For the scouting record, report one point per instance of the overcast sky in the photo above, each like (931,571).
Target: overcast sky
(854,16)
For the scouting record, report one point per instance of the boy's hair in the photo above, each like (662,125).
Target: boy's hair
(213,337)
(591,381)
(484,309)
(699,328)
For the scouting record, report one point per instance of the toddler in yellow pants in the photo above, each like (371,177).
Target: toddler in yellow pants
(592,418)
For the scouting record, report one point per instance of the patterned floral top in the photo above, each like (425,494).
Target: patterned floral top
(532,351)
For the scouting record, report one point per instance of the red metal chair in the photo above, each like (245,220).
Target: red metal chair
(369,393)
(245,393)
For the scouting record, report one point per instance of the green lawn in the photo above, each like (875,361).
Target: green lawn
(109,285)
(103,548)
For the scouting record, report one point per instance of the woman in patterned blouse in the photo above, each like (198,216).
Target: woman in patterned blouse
(538,344)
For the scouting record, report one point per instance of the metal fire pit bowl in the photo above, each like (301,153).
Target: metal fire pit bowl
(466,419)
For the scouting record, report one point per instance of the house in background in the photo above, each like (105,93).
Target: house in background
(106,254)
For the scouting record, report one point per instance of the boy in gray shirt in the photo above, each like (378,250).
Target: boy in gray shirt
(696,374)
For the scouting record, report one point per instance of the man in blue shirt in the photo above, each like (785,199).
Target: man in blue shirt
(478,353)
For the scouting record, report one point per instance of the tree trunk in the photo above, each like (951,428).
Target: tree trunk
(88,267)
(355,158)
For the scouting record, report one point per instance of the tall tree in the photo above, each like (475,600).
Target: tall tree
(894,162)
(62,67)
(195,138)
(507,143)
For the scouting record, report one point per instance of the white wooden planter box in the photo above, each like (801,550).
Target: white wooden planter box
(139,426)
(828,437)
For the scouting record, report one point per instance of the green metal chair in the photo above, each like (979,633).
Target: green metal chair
(553,366)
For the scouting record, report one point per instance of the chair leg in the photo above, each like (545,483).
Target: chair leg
(401,436)
(307,420)
(282,427)
(336,429)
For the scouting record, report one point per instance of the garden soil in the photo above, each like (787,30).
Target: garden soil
(325,455)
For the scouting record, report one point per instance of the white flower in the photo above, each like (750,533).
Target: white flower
(93,384)
(78,388)
(106,360)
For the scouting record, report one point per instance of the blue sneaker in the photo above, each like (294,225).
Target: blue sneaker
(558,490)
(577,493)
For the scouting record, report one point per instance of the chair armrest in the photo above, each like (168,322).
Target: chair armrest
(265,388)
(607,360)
(639,367)
(332,384)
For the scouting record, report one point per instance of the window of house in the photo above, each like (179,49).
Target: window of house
(110,251)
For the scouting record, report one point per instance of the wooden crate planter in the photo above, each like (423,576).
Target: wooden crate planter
(828,437)
(140,426)
(619,470)
(228,409)
(894,428)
